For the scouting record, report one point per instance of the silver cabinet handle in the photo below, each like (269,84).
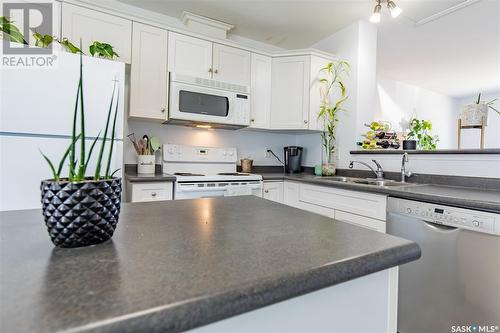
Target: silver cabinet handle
(210,70)
(305,121)
(153,194)
(162,110)
(252,120)
(216,71)
(266,191)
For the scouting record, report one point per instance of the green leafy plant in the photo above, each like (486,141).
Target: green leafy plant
(77,169)
(11,30)
(333,97)
(42,40)
(420,131)
(70,47)
(103,50)
(489,104)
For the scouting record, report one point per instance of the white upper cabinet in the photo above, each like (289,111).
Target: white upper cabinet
(89,25)
(260,91)
(190,56)
(231,64)
(290,92)
(149,75)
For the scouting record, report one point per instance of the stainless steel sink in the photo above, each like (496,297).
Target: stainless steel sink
(377,182)
(338,179)
(366,181)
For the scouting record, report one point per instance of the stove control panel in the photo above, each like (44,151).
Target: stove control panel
(451,216)
(182,153)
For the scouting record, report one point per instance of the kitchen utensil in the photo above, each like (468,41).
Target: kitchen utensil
(154,143)
(142,147)
(132,138)
(146,141)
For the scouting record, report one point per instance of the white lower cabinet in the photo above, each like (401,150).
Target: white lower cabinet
(272,190)
(149,191)
(363,209)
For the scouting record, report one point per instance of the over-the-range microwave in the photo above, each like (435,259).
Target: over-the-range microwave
(207,103)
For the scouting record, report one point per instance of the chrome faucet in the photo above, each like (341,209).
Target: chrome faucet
(379,172)
(404,173)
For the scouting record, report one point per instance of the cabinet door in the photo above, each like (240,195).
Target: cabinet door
(290,92)
(149,76)
(291,198)
(260,91)
(231,64)
(88,25)
(317,63)
(359,203)
(273,191)
(190,56)
(361,221)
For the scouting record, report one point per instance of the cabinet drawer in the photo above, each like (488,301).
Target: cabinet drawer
(141,192)
(361,221)
(359,203)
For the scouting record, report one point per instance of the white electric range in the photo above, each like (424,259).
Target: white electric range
(203,172)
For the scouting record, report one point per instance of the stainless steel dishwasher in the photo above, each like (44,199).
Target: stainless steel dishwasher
(456,282)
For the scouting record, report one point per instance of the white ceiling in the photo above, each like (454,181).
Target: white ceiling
(285,23)
(456,54)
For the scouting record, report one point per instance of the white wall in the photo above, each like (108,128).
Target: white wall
(357,44)
(398,101)
(471,137)
(249,143)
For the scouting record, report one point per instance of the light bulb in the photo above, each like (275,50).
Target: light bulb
(375,18)
(394,9)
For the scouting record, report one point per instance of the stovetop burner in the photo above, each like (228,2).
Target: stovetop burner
(188,174)
(233,174)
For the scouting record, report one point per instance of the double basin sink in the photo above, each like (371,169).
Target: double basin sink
(366,181)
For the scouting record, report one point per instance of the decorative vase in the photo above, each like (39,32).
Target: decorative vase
(328,166)
(81,213)
(474,114)
(146,164)
(409,144)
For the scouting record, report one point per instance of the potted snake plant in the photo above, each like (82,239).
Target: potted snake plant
(81,209)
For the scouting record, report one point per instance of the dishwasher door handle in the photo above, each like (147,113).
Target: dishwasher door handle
(440,227)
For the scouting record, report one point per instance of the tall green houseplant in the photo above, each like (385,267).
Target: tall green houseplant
(333,97)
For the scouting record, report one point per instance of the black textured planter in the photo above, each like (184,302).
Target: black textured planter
(81,213)
(409,144)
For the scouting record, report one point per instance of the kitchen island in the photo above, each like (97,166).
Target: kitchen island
(225,264)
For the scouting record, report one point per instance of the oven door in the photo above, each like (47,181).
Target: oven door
(200,104)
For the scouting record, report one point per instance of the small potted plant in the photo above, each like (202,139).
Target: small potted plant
(81,210)
(419,136)
(333,97)
(476,114)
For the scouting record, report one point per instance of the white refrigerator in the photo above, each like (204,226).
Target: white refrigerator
(36,110)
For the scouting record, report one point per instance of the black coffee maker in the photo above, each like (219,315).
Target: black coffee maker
(293,159)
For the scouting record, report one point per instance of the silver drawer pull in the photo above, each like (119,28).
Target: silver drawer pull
(153,194)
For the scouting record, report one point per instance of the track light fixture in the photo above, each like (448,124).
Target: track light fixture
(391,5)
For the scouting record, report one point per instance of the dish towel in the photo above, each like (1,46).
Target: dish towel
(232,191)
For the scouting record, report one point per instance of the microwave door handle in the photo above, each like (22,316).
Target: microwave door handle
(227,106)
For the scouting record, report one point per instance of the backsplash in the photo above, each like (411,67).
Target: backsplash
(249,143)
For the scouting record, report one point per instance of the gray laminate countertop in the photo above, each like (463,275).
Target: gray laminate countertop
(134,177)
(177,265)
(458,196)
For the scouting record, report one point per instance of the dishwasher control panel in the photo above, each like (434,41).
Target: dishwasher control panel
(450,216)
